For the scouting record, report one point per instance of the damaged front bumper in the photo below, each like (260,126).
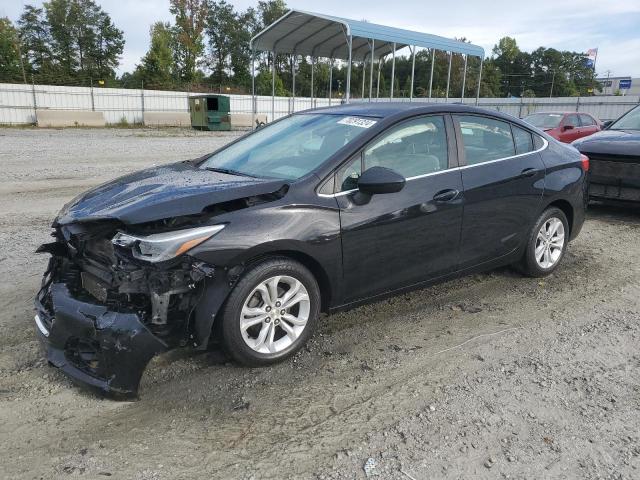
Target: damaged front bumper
(103,314)
(104,349)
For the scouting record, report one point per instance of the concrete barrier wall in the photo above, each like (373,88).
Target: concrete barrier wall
(167,119)
(243,120)
(69,118)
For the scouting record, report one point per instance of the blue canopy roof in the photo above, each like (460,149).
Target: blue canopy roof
(318,35)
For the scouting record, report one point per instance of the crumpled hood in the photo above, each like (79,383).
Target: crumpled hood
(611,142)
(162,192)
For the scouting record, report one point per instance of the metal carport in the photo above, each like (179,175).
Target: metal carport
(317,35)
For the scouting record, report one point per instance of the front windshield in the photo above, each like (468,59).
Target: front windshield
(544,120)
(290,148)
(630,121)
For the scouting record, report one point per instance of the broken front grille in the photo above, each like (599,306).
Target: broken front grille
(615,177)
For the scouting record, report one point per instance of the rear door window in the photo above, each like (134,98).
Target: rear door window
(485,139)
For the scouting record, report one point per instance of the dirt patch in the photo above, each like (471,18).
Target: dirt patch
(486,376)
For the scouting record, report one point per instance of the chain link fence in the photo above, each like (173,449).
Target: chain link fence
(19,103)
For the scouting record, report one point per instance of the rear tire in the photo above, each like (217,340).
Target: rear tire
(271,313)
(547,244)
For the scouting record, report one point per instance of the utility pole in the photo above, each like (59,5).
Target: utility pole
(607,84)
(553,78)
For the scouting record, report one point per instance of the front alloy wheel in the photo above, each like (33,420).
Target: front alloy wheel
(271,312)
(275,314)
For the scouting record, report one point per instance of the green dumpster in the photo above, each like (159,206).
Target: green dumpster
(210,112)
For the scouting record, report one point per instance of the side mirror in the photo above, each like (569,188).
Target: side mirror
(377,180)
(607,123)
(567,127)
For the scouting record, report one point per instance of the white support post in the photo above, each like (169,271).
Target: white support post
(373,50)
(253,89)
(479,81)
(364,74)
(293,82)
(433,61)
(464,76)
(312,65)
(449,76)
(393,69)
(413,71)
(378,83)
(348,92)
(330,80)
(273,87)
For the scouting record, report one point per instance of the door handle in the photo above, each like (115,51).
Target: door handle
(529,172)
(446,195)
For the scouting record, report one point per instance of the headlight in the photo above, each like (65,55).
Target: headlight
(160,247)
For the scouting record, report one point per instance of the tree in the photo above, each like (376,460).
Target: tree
(271,10)
(156,69)
(241,54)
(267,13)
(10,63)
(108,47)
(537,72)
(263,84)
(190,19)
(222,24)
(70,41)
(490,84)
(60,21)
(35,40)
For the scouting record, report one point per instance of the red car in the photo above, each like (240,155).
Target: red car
(565,126)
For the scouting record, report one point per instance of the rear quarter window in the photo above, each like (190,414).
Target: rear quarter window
(522,140)
(538,142)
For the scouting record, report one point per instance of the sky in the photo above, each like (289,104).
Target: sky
(612,26)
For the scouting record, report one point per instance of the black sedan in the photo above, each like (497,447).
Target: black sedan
(320,211)
(615,159)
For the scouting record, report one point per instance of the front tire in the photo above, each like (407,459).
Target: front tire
(271,312)
(547,244)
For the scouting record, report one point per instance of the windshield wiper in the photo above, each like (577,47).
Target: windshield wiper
(229,171)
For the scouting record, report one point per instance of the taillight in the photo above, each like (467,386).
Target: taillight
(585,162)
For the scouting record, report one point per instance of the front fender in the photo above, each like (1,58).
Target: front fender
(308,233)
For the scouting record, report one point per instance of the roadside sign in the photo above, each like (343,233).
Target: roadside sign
(625,84)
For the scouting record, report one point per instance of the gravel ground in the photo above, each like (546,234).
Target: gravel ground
(489,376)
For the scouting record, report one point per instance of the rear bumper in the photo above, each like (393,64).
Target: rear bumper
(93,345)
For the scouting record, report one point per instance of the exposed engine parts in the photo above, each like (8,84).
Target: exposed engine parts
(162,295)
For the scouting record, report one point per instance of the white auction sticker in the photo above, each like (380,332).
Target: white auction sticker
(358,122)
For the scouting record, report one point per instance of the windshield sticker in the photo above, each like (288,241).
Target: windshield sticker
(358,122)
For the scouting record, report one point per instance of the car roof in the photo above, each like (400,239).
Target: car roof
(399,109)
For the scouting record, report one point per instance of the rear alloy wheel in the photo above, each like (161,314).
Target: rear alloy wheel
(547,243)
(271,312)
